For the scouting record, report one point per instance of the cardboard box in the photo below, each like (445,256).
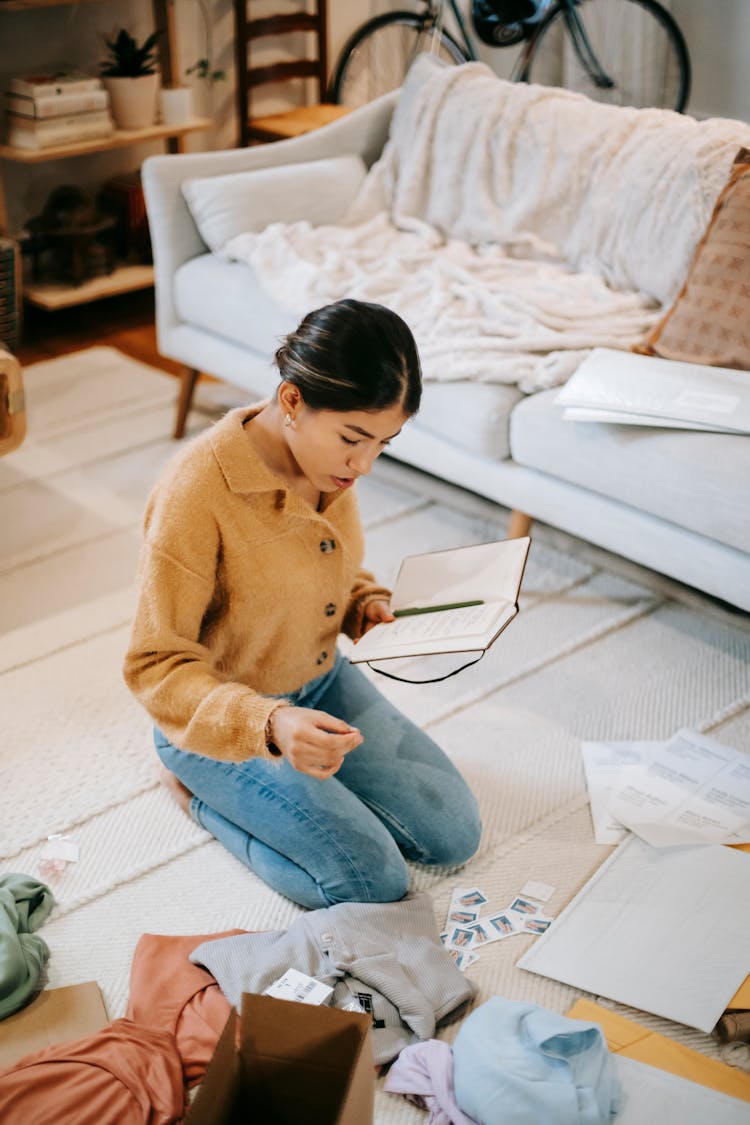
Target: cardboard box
(284,1063)
(57,1015)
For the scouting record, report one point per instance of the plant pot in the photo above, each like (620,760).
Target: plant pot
(133,100)
(176,105)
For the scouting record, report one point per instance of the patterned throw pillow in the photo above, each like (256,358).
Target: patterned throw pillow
(710,319)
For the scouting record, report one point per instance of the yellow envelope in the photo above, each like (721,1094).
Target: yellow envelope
(741,998)
(626,1037)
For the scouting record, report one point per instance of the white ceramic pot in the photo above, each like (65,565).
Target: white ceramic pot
(133,100)
(176,105)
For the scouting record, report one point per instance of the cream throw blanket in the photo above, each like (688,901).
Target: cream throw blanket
(513,227)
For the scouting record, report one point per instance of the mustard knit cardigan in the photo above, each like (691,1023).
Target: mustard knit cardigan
(244,589)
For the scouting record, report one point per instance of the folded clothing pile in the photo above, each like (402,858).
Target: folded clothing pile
(386,956)
(512,1061)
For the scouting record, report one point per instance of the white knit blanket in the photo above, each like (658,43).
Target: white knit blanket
(513,227)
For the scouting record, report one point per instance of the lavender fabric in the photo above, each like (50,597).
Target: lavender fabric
(423,1073)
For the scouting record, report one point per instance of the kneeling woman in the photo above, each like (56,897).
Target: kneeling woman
(250,569)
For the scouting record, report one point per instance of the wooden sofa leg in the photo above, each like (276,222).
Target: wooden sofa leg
(519,524)
(189,379)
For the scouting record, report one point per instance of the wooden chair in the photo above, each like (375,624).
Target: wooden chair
(293,122)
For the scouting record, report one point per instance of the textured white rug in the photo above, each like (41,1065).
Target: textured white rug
(601,650)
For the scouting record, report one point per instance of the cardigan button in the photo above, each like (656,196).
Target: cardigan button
(327,545)
(330,609)
(322,658)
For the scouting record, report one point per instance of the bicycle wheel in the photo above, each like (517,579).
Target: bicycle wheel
(640,55)
(375,59)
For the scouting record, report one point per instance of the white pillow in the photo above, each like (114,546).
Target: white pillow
(319,191)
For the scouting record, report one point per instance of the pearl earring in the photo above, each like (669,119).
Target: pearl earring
(288,420)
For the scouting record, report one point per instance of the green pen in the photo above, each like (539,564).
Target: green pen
(434,608)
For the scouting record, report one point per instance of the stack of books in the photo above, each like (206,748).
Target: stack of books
(43,110)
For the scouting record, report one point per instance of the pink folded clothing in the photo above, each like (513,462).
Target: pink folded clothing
(135,1071)
(124,1073)
(169,993)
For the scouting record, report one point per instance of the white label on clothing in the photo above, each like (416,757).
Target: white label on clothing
(294,985)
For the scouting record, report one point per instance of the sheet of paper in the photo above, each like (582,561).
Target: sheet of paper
(650,1094)
(534,889)
(471,622)
(430,633)
(663,930)
(636,1041)
(606,766)
(629,418)
(694,791)
(490,571)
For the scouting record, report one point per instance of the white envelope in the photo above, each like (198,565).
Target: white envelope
(659,391)
(664,930)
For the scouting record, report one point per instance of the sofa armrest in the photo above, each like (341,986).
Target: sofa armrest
(174,235)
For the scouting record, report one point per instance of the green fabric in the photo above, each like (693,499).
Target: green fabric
(24,904)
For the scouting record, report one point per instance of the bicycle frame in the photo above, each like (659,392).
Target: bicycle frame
(581,46)
(576,30)
(434,18)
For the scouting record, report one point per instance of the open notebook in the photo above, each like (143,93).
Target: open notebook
(486,573)
(639,390)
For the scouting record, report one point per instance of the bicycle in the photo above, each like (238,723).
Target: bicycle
(625,52)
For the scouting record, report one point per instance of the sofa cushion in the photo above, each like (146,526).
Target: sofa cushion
(226,299)
(475,416)
(694,479)
(710,320)
(225,206)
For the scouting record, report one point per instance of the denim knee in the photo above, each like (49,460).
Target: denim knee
(461,841)
(386,881)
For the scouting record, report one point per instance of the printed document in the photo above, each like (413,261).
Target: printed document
(694,790)
(607,766)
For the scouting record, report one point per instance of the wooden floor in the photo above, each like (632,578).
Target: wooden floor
(125,322)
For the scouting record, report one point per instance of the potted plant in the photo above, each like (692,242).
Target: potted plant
(131,76)
(204,67)
(176,103)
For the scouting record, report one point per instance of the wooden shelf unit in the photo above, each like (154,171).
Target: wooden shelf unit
(27,5)
(121,138)
(54,295)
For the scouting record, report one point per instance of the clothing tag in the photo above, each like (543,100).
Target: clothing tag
(60,847)
(364,1000)
(353,1006)
(294,985)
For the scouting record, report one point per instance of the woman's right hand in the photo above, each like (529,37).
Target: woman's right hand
(313,742)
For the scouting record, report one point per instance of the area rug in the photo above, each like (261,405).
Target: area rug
(600,650)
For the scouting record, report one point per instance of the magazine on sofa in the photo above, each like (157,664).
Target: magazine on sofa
(458,600)
(638,390)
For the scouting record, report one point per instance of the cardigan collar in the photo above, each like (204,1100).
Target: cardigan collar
(244,469)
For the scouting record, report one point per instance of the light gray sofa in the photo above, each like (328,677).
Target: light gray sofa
(675,501)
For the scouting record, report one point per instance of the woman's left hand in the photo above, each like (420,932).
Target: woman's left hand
(376,612)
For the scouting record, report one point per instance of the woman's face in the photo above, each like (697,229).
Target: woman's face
(333,449)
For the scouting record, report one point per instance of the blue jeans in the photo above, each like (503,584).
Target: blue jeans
(344,838)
